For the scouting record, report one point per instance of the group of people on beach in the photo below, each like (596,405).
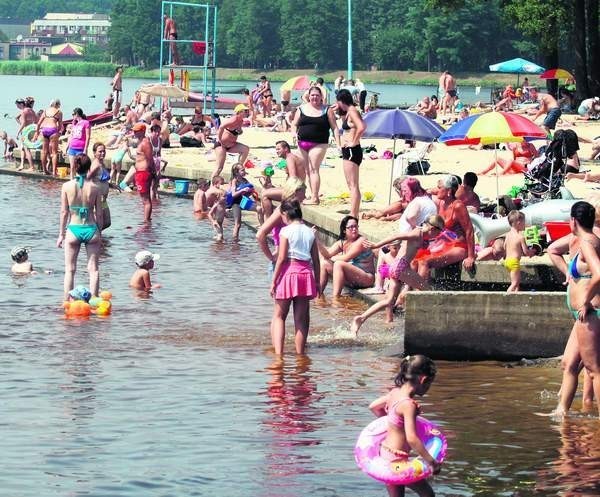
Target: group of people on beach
(434,229)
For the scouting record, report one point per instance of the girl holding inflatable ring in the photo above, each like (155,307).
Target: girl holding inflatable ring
(415,377)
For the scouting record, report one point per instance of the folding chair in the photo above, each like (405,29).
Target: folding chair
(415,156)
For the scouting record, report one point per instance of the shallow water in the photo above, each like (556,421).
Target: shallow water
(177,394)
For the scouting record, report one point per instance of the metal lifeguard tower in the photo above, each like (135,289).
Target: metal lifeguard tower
(204,46)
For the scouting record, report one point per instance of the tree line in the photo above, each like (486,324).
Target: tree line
(420,35)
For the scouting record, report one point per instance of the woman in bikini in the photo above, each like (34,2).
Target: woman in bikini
(50,126)
(25,117)
(227,137)
(101,177)
(311,126)
(80,220)
(583,301)
(347,261)
(353,128)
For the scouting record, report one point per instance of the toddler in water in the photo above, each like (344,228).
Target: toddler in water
(516,248)
(415,377)
(9,145)
(22,265)
(140,280)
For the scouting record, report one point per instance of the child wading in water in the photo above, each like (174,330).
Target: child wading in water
(295,278)
(22,264)
(415,377)
(516,248)
(400,270)
(140,280)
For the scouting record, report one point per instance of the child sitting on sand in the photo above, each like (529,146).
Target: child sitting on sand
(140,280)
(516,248)
(22,265)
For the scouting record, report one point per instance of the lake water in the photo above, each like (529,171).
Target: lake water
(178,394)
(89,93)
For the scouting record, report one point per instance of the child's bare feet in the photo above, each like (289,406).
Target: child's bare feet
(356,324)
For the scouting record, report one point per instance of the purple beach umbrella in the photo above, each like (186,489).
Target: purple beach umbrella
(400,124)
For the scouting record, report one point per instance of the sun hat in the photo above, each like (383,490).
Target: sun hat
(436,221)
(19,253)
(143,257)
(81,292)
(138,127)
(239,108)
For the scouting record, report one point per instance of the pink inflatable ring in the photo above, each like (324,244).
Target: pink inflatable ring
(366,453)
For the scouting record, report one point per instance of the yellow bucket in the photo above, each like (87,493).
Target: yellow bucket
(62,172)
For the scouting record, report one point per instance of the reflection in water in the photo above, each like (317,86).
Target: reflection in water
(292,418)
(576,470)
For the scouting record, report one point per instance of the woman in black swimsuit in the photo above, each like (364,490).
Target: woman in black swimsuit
(227,137)
(353,128)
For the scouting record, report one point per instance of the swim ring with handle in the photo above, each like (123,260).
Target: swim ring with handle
(28,133)
(366,453)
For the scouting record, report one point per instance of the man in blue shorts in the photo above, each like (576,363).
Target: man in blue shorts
(548,106)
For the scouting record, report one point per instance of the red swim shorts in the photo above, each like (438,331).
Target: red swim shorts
(143,181)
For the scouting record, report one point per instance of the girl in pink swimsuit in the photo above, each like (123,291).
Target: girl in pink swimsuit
(414,378)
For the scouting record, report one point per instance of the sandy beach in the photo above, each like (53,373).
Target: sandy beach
(374,173)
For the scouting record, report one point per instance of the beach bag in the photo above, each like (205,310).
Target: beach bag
(414,168)
(190,141)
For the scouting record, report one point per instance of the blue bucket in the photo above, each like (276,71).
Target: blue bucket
(247,203)
(181,186)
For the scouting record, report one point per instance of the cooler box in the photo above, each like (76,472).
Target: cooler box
(557,229)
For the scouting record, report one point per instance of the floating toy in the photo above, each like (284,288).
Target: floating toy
(28,134)
(398,472)
(77,309)
(101,306)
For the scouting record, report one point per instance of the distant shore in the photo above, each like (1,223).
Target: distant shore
(104,69)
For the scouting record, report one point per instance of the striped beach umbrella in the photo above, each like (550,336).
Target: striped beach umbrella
(492,128)
(556,74)
(298,83)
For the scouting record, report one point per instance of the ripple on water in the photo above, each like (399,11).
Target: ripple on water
(178,393)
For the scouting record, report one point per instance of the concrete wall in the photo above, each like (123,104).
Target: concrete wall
(486,325)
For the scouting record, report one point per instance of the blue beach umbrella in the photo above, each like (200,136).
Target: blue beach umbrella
(400,124)
(517,66)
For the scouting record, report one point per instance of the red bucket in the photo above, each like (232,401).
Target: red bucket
(557,229)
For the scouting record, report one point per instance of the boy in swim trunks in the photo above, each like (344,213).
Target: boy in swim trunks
(215,202)
(516,248)
(140,280)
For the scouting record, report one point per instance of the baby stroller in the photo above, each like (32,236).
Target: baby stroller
(545,175)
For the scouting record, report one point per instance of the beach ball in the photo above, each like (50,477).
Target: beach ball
(368,196)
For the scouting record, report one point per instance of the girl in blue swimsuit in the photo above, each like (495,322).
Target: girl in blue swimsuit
(81,208)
